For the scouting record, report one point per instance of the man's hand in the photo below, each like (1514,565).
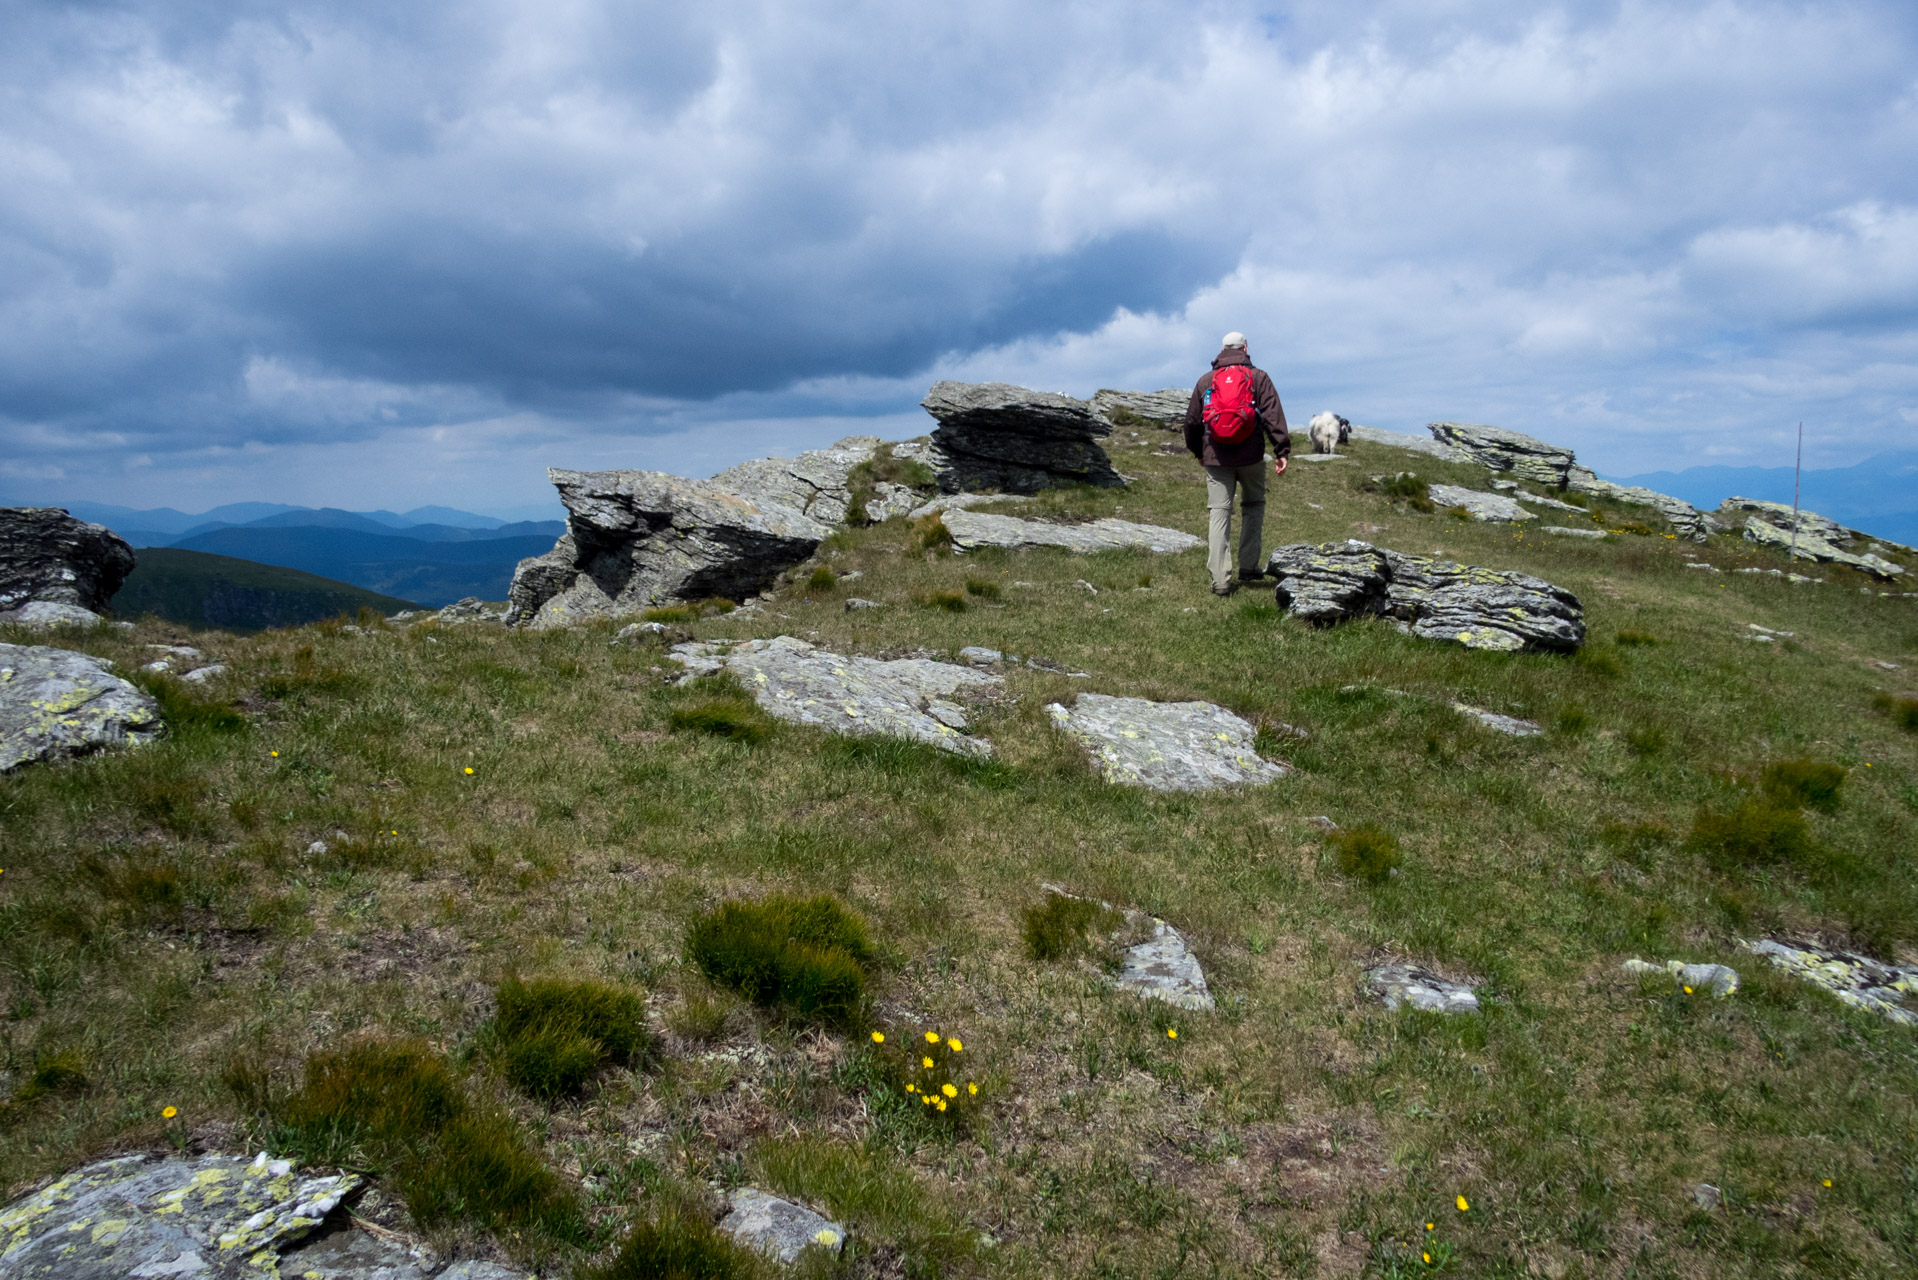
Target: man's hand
(1279,468)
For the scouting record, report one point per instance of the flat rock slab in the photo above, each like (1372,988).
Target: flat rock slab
(995,436)
(1717,979)
(45,615)
(56,702)
(1499,724)
(1416,444)
(814,483)
(1888,989)
(1166,746)
(1483,506)
(1565,531)
(209,1217)
(1410,986)
(972,530)
(1162,409)
(779,1228)
(901,698)
(965,501)
(1433,599)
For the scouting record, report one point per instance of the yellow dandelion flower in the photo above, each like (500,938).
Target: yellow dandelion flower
(912,1088)
(1172,1033)
(879,1037)
(972,1088)
(1463,1205)
(169,1112)
(274,754)
(925,1099)
(1427,1257)
(954,1045)
(940,1103)
(469,770)
(926,1063)
(1429,1226)
(1828,1182)
(952,1091)
(932,1037)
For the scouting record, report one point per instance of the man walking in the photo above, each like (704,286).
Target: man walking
(1233,411)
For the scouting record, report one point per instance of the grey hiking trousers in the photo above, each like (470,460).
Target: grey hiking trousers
(1219,484)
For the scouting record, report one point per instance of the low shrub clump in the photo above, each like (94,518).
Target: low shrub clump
(1637,639)
(822,579)
(809,955)
(552,1035)
(1903,711)
(1406,487)
(734,719)
(1365,853)
(60,1074)
(1803,784)
(982,588)
(395,1107)
(950,601)
(679,1246)
(1645,740)
(929,533)
(1756,832)
(1062,926)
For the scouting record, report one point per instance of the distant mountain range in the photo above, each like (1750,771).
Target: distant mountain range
(1879,496)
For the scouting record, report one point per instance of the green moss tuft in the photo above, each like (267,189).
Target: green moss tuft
(1061,926)
(1365,853)
(555,1035)
(1903,711)
(809,955)
(1755,833)
(1803,784)
(734,719)
(983,588)
(679,1246)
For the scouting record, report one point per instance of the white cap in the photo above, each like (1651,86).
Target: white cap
(1234,339)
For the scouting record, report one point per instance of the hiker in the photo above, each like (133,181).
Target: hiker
(1229,409)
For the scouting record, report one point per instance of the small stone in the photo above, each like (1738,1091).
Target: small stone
(779,1228)
(1706,1197)
(1883,665)
(1717,979)
(1323,823)
(1699,564)
(1499,724)
(980,656)
(1163,968)
(854,604)
(1410,985)
(200,675)
(1085,586)
(317,849)
(1166,746)
(158,665)
(1565,531)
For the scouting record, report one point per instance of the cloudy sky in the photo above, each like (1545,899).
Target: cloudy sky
(366,254)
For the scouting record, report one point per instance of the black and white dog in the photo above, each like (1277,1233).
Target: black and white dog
(1328,430)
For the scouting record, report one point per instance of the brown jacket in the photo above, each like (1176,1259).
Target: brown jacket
(1250,451)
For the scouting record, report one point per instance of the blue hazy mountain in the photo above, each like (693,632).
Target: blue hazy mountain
(167,520)
(456,518)
(432,571)
(1878,495)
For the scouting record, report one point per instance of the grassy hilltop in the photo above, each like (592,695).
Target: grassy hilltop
(515,808)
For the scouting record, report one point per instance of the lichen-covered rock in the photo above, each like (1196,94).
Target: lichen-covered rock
(1482,506)
(1434,599)
(1166,746)
(889,500)
(966,501)
(1686,520)
(779,1228)
(1416,444)
(56,702)
(1716,979)
(1162,409)
(995,436)
(1565,531)
(1505,450)
(211,1217)
(1813,546)
(902,698)
(972,530)
(47,555)
(813,484)
(1409,985)
(1888,989)
(635,539)
(45,615)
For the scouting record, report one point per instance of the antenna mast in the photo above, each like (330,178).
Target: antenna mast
(1797,470)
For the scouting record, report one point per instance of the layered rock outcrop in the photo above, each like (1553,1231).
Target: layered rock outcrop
(635,539)
(55,702)
(995,436)
(1505,450)
(1434,599)
(49,558)
(972,530)
(815,483)
(1162,409)
(1811,536)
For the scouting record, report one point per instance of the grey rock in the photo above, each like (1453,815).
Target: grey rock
(1699,564)
(1161,967)
(1483,506)
(1085,586)
(1717,979)
(1887,989)
(1434,599)
(890,500)
(1812,546)
(979,655)
(200,675)
(1416,444)
(794,681)
(1505,450)
(1536,500)
(779,1228)
(634,630)
(47,555)
(963,501)
(814,483)
(211,1216)
(995,436)
(1706,1197)
(1688,521)
(1403,985)
(56,702)
(1162,409)
(470,609)
(636,539)
(1565,531)
(1166,746)
(1492,720)
(46,615)
(972,530)
(854,604)
(1506,486)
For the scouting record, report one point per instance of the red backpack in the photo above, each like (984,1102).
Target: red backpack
(1230,412)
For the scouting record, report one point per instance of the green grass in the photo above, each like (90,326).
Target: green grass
(810,955)
(1060,926)
(1804,784)
(554,1035)
(680,1246)
(1365,853)
(163,925)
(732,718)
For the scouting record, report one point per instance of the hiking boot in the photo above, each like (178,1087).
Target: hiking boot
(1251,579)
(1218,590)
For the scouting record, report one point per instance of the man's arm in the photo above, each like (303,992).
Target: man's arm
(1272,415)
(1195,419)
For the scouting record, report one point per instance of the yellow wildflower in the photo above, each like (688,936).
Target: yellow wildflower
(925,1099)
(1828,1182)
(926,1063)
(274,754)
(1463,1206)
(879,1037)
(952,1091)
(169,1112)
(972,1088)
(1429,1226)
(1172,1033)
(940,1103)
(954,1045)
(1688,990)
(1427,1257)
(932,1037)
(469,770)
(910,1088)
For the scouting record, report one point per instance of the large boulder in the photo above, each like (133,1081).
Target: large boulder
(1162,409)
(995,436)
(56,702)
(635,539)
(1505,450)
(1434,599)
(814,483)
(49,557)
(1812,536)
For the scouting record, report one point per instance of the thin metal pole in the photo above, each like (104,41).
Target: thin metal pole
(1798,469)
